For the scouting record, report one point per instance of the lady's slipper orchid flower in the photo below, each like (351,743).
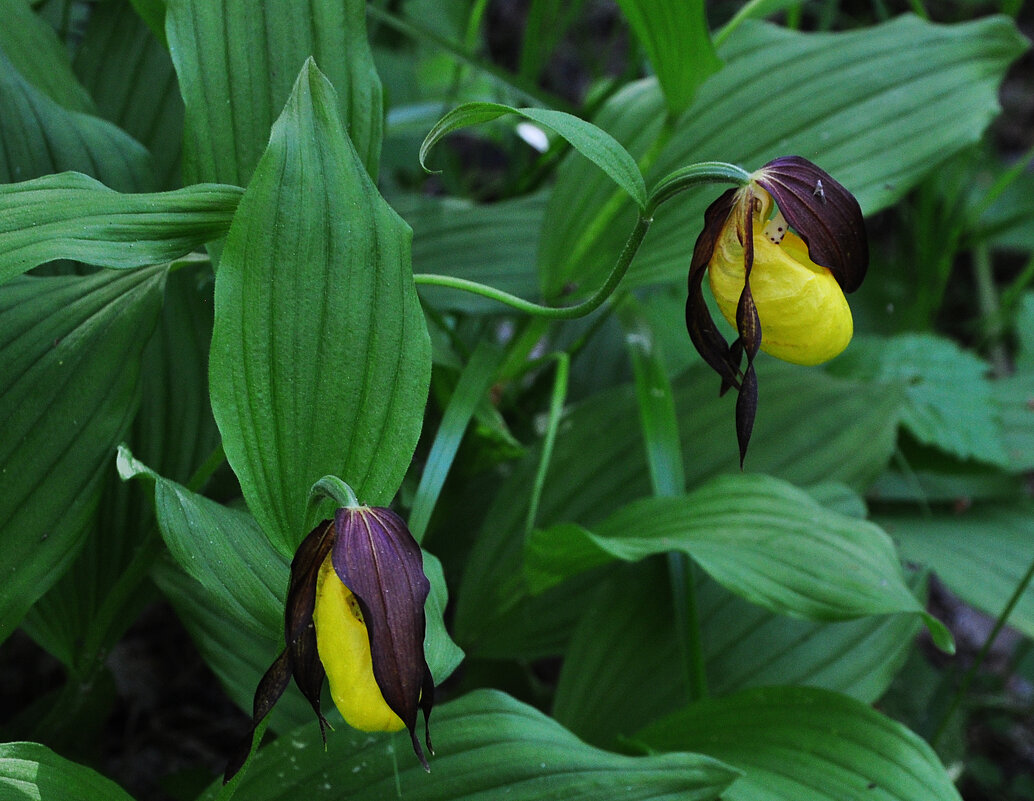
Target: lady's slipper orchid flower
(780,253)
(355,615)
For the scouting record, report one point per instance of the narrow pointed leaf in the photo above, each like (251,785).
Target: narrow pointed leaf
(867,106)
(320,356)
(31,770)
(488,746)
(760,538)
(806,744)
(72,216)
(236,71)
(675,35)
(70,351)
(595,144)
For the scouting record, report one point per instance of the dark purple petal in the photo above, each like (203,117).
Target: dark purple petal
(299,631)
(377,558)
(702,331)
(300,656)
(270,687)
(746,409)
(825,215)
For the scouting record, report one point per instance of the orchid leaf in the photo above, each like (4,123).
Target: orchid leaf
(72,216)
(320,357)
(236,71)
(70,351)
(142,98)
(829,417)
(39,136)
(31,770)
(743,645)
(595,144)
(759,537)
(676,37)
(42,60)
(982,554)
(806,744)
(488,745)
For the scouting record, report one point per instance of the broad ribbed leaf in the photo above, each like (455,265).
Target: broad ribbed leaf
(320,357)
(760,538)
(626,642)
(493,244)
(806,744)
(70,351)
(676,37)
(982,554)
(72,216)
(35,52)
(828,417)
(102,593)
(38,137)
(949,398)
(236,70)
(867,106)
(487,745)
(595,144)
(33,771)
(140,96)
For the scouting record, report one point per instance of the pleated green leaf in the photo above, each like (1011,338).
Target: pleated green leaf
(868,106)
(72,216)
(982,554)
(760,538)
(35,51)
(320,357)
(487,745)
(33,771)
(236,71)
(86,612)
(141,96)
(38,136)
(827,416)
(598,146)
(626,642)
(676,37)
(70,352)
(806,744)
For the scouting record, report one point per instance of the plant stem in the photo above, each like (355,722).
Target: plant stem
(588,306)
(990,309)
(556,407)
(1003,618)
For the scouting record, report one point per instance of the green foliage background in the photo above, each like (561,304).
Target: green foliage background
(223,275)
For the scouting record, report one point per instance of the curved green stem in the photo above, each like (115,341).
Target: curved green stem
(552,312)
(336,490)
(706,172)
